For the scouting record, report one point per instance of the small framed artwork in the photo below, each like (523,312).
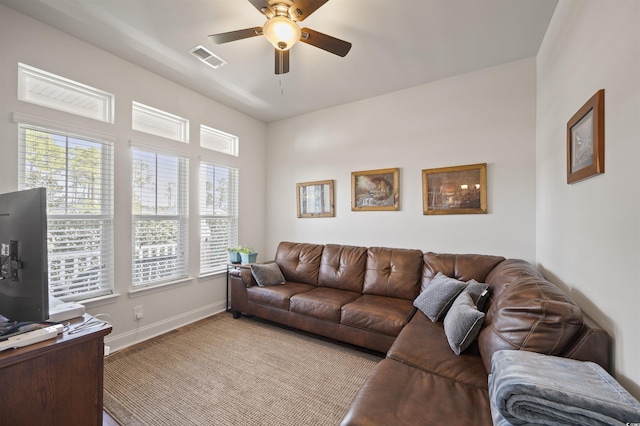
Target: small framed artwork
(585,140)
(315,199)
(375,190)
(455,190)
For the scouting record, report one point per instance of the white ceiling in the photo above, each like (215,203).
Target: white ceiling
(397,44)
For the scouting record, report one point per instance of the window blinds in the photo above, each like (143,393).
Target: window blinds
(160,217)
(218,215)
(78,174)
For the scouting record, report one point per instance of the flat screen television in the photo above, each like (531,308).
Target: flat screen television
(24,275)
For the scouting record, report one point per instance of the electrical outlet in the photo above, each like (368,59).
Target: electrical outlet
(137,312)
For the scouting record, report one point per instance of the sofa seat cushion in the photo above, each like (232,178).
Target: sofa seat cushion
(385,315)
(277,296)
(323,303)
(398,394)
(423,344)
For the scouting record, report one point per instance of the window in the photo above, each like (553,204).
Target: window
(155,122)
(218,141)
(50,90)
(78,174)
(218,215)
(160,217)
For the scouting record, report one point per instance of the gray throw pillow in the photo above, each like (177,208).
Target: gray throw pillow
(438,297)
(479,293)
(462,323)
(267,274)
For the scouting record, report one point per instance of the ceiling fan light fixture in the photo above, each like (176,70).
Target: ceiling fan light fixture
(281,32)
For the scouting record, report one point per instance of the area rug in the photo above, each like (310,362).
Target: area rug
(222,371)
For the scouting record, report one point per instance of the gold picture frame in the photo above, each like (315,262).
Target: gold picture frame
(315,199)
(375,190)
(455,190)
(585,140)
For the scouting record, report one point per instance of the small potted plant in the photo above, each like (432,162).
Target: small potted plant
(234,254)
(247,255)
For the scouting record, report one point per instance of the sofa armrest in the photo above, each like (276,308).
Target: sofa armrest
(244,274)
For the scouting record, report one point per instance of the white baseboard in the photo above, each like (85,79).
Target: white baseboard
(123,340)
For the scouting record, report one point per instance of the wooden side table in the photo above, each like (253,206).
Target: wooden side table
(55,382)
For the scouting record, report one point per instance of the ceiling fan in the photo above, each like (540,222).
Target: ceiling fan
(283,32)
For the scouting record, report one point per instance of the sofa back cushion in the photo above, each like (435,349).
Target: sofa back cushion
(531,314)
(299,262)
(462,267)
(393,272)
(506,272)
(343,267)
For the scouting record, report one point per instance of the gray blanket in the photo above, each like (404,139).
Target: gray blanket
(530,388)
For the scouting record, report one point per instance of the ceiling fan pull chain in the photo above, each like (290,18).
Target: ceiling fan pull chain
(281,87)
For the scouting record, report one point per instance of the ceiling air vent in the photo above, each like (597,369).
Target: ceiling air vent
(202,54)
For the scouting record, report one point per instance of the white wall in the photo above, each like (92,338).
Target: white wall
(584,236)
(486,116)
(25,40)
(588,233)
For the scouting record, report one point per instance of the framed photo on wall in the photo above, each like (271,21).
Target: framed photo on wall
(585,140)
(375,190)
(455,190)
(315,199)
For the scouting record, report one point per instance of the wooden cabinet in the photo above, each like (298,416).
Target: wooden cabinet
(56,382)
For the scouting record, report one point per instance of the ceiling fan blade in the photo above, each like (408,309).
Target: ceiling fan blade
(282,61)
(301,9)
(325,42)
(235,35)
(263,7)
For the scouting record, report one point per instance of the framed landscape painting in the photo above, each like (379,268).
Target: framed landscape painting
(455,190)
(375,190)
(585,140)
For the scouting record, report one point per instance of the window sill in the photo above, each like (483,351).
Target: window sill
(100,301)
(155,288)
(210,275)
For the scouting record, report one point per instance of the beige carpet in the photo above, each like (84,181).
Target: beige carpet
(222,371)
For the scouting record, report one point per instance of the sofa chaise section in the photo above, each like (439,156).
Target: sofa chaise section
(422,381)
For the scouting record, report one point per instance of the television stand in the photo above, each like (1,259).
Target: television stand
(55,382)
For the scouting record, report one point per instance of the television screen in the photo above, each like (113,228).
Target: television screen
(24,282)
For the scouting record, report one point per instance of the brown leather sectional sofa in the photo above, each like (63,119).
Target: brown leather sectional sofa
(364,296)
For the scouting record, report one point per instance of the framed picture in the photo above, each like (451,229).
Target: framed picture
(315,199)
(455,190)
(375,190)
(585,140)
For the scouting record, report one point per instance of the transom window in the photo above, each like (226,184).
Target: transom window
(53,91)
(219,141)
(159,123)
